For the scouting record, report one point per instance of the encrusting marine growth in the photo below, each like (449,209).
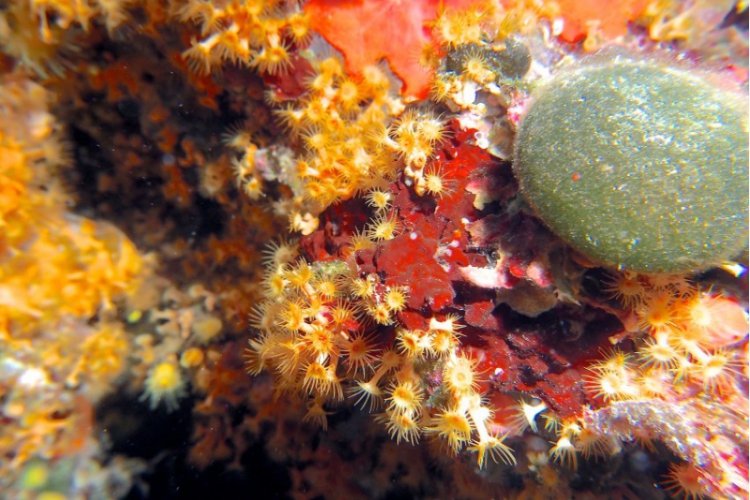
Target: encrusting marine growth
(501,228)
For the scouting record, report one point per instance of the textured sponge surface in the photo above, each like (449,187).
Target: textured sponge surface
(638,165)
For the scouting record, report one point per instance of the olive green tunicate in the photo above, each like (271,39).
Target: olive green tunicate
(637,164)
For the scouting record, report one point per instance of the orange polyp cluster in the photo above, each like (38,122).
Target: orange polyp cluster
(687,355)
(689,332)
(470,37)
(79,267)
(459,417)
(414,137)
(253,35)
(343,124)
(326,332)
(310,330)
(35,31)
(315,342)
(332,121)
(462,414)
(63,278)
(456,28)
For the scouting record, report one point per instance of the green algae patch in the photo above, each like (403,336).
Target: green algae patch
(638,165)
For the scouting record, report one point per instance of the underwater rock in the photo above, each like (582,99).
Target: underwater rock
(637,164)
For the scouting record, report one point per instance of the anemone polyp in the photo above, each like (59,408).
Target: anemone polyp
(164,383)
(638,164)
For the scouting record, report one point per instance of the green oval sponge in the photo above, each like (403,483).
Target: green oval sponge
(637,164)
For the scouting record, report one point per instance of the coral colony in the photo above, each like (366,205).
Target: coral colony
(373,249)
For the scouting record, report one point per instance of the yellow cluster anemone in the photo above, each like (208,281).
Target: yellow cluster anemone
(253,34)
(682,359)
(62,279)
(319,339)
